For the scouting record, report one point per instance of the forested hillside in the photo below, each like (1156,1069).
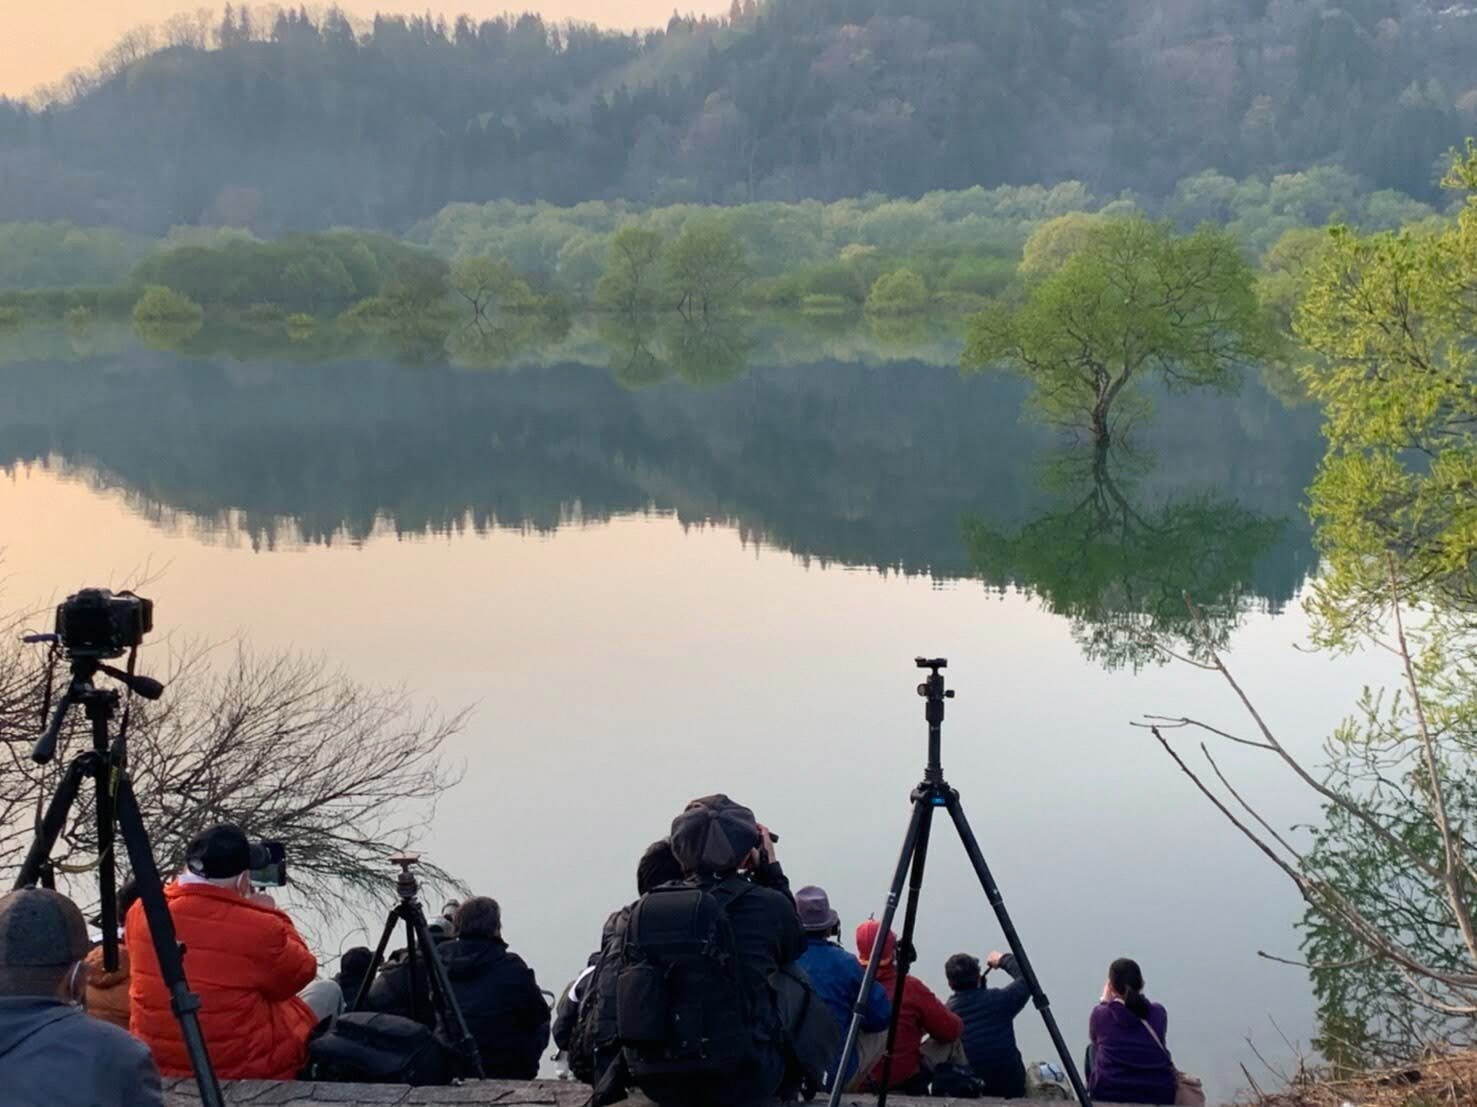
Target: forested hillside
(302,121)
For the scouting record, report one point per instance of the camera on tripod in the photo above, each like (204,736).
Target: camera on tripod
(95,622)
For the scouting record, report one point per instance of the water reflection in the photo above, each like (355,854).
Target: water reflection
(868,466)
(1121,565)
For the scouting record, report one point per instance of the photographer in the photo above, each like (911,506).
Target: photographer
(497,992)
(245,960)
(50,1052)
(989,1021)
(729,863)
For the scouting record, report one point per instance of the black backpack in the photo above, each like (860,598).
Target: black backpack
(595,1041)
(369,1047)
(951,1081)
(681,1013)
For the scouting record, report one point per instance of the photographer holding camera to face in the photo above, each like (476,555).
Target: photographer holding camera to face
(246,960)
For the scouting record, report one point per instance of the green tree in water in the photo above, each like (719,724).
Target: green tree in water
(631,282)
(1120,566)
(706,267)
(1134,301)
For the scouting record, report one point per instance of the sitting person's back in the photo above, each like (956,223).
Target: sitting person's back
(1129,1036)
(51,1052)
(989,1021)
(244,959)
(921,1012)
(834,973)
(744,1059)
(497,992)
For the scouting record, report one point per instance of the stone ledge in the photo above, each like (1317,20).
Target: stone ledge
(474,1093)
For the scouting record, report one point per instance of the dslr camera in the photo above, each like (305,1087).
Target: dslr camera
(95,622)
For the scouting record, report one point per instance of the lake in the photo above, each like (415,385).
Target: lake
(653,585)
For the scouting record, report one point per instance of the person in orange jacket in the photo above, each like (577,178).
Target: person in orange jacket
(244,959)
(921,1013)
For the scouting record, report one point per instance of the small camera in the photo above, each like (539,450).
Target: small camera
(274,873)
(95,622)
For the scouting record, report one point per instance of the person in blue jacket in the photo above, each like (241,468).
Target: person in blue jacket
(989,1021)
(836,975)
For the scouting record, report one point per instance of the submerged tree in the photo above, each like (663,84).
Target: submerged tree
(706,267)
(286,747)
(1118,566)
(632,278)
(1134,301)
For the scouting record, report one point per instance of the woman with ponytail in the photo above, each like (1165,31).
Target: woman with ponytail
(1130,1061)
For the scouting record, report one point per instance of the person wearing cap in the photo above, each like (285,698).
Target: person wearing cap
(989,1020)
(724,849)
(244,959)
(836,976)
(922,1013)
(51,1052)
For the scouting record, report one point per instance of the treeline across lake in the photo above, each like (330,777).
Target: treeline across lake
(948,250)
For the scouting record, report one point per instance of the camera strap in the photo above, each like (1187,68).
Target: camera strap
(50,683)
(127,704)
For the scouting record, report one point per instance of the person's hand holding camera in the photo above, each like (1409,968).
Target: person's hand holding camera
(993,958)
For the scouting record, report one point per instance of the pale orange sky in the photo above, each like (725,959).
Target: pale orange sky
(40,42)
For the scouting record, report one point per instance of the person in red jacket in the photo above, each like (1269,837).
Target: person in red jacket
(244,959)
(921,1013)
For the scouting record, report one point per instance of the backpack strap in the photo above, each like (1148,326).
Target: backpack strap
(1158,1041)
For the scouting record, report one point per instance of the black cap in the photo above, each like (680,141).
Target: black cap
(713,835)
(224,851)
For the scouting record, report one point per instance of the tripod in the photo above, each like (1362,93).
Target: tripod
(420,945)
(116,809)
(930,795)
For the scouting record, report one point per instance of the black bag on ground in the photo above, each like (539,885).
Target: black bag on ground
(953,1082)
(369,1047)
(680,1009)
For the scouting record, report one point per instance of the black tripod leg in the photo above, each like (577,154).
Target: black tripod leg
(375,962)
(443,1000)
(166,945)
(894,893)
(905,943)
(107,878)
(38,857)
(992,892)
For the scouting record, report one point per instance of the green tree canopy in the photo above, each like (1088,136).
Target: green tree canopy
(1391,321)
(706,266)
(1137,300)
(630,282)
(901,292)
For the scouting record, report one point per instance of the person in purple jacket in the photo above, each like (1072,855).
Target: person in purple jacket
(1130,1062)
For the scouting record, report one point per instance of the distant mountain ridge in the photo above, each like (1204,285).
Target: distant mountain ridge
(306,121)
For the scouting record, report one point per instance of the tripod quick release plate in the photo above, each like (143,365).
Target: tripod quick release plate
(934,663)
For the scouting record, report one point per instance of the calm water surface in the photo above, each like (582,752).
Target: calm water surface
(654,593)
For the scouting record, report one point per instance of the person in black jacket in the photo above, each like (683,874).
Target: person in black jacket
(497,992)
(989,1021)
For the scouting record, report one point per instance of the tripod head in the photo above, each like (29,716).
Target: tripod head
(406,885)
(934,694)
(86,664)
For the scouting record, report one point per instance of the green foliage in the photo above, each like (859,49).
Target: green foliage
(10,317)
(1057,240)
(1136,300)
(901,292)
(706,267)
(1391,322)
(54,255)
(631,281)
(160,305)
(79,318)
(489,285)
(301,272)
